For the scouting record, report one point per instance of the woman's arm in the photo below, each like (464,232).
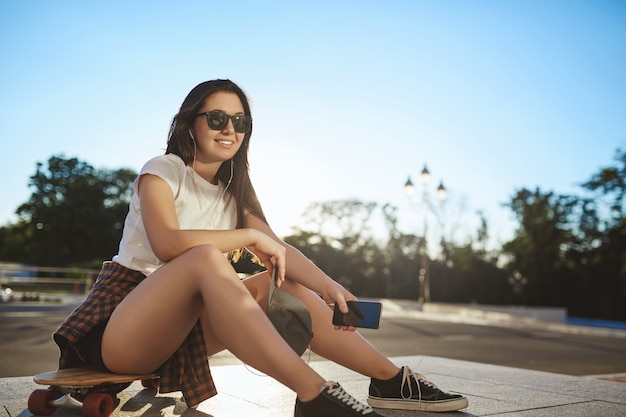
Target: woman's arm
(300,269)
(168,241)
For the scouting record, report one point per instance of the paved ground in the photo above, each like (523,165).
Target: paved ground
(491,390)
(457,332)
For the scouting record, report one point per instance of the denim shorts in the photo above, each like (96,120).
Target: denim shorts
(90,347)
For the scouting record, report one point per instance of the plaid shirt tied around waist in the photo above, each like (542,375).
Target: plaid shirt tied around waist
(187,370)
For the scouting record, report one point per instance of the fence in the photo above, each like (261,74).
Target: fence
(34,282)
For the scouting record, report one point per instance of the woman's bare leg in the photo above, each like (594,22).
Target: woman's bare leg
(345,348)
(153,320)
(258,287)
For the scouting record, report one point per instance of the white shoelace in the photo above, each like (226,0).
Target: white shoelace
(407,375)
(334,389)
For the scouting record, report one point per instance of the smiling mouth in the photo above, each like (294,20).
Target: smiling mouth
(225,142)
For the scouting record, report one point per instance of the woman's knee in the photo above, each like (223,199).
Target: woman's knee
(205,256)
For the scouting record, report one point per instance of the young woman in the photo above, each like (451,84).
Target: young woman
(170,298)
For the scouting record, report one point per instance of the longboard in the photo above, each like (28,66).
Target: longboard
(88,389)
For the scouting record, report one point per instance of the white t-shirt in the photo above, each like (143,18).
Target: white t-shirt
(199,205)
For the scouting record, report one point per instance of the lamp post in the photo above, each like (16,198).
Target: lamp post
(424,271)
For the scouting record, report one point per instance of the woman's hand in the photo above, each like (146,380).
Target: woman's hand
(271,253)
(335,293)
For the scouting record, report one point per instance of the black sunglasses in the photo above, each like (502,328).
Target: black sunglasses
(217,120)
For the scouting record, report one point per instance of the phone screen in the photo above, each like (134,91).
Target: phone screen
(362,314)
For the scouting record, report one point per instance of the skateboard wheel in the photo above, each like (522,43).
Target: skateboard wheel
(40,399)
(150,383)
(97,405)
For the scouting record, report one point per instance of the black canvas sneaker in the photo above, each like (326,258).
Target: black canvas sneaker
(412,391)
(333,401)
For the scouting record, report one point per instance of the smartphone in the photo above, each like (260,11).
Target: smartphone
(364,314)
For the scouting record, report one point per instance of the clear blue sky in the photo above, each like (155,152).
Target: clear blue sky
(348,97)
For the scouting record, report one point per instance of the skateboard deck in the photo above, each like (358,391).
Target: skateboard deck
(88,389)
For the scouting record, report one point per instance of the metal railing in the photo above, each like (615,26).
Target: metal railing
(36,282)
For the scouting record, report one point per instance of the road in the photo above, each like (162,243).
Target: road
(26,346)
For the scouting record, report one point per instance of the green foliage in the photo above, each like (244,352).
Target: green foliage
(571,249)
(342,244)
(466,277)
(611,182)
(74,215)
(539,244)
(567,251)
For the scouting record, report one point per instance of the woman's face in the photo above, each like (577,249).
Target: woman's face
(218,145)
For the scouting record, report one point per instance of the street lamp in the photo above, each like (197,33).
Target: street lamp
(424,272)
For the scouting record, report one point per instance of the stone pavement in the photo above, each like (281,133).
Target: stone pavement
(491,390)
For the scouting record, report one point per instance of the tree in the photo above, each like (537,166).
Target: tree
(402,258)
(571,249)
(604,258)
(611,181)
(467,277)
(74,215)
(342,244)
(538,246)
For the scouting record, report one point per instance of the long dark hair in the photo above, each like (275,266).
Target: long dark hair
(180,142)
